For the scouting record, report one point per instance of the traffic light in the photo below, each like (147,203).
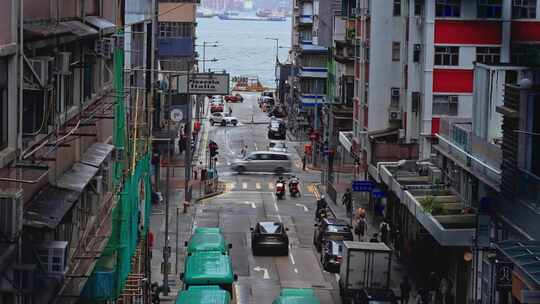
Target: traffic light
(213,147)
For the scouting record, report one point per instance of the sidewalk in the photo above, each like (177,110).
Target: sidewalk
(398,270)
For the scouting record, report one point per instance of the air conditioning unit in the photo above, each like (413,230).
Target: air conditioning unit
(395,92)
(394,115)
(43,68)
(63,62)
(435,175)
(11,212)
(53,255)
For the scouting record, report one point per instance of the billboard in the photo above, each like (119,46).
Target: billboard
(204,84)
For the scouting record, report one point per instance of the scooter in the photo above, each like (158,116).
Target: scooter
(280,189)
(293,188)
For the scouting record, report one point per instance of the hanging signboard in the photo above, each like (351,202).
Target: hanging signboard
(204,84)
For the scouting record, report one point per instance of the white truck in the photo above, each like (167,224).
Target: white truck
(365,273)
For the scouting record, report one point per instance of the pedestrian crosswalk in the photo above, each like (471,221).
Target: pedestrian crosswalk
(305,189)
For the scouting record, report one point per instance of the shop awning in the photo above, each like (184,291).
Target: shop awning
(49,208)
(79,29)
(384,132)
(104,25)
(46,29)
(525,255)
(96,154)
(77,177)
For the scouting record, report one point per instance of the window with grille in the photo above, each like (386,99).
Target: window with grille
(488,55)
(418,7)
(175,29)
(445,105)
(489,9)
(416,52)
(524,9)
(397,8)
(396,49)
(447,8)
(446,55)
(518,55)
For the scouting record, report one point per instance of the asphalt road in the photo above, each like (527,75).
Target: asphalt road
(249,198)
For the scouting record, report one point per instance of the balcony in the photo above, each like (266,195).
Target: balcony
(304,19)
(434,205)
(472,153)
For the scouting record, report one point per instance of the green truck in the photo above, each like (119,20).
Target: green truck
(204,295)
(203,240)
(297,296)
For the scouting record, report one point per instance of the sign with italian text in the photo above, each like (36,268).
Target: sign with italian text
(204,84)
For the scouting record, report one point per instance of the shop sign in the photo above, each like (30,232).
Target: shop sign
(362,186)
(503,273)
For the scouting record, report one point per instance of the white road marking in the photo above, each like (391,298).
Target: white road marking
(255,144)
(252,204)
(270,186)
(337,277)
(228,163)
(303,206)
(292,258)
(266,276)
(279,218)
(244,185)
(232,185)
(257,186)
(296,270)
(276,207)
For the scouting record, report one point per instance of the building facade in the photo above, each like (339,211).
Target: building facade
(62,71)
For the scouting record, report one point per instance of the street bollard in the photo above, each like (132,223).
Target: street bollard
(186,206)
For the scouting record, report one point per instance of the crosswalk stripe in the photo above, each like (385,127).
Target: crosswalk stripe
(244,185)
(258,186)
(270,186)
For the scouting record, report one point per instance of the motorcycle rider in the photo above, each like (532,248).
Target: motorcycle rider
(293,183)
(282,181)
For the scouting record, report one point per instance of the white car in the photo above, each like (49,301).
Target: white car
(277,146)
(222,119)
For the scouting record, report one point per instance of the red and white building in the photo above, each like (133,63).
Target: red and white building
(414,64)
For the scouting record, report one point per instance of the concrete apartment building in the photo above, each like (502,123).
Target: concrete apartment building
(59,80)
(433,81)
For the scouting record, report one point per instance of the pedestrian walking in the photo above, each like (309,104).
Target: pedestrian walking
(181,144)
(360,228)
(243,152)
(304,162)
(230,110)
(405,289)
(384,230)
(347,201)
(374,238)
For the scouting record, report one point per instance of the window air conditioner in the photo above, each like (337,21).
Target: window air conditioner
(394,115)
(11,211)
(43,68)
(395,92)
(63,62)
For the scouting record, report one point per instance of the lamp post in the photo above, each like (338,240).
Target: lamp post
(204,45)
(277,59)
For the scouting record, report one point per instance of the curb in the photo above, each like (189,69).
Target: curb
(213,194)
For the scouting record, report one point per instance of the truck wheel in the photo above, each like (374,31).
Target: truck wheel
(234,122)
(241,169)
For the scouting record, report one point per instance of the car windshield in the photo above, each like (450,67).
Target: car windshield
(268,227)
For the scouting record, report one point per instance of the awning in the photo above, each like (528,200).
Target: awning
(104,25)
(525,255)
(46,29)
(79,29)
(96,154)
(77,177)
(384,132)
(49,208)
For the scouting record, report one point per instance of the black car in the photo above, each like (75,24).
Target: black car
(269,237)
(331,255)
(331,229)
(277,130)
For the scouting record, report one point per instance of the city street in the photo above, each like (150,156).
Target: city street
(250,198)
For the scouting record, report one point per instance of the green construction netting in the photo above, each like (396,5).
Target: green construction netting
(131,214)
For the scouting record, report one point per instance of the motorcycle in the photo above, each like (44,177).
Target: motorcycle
(280,189)
(293,188)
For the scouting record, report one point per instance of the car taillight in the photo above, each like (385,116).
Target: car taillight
(338,259)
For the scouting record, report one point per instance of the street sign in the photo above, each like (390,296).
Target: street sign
(204,84)
(177,115)
(362,186)
(377,193)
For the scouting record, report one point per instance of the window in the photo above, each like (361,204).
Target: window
(418,7)
(396,49)
(3,104)
(68,91)
(445,105)
(518,54)
(446,55)
(447,8)
(489,8)
(417,52)
(88,77)
(488,55)
(397,7)
(175,29)
(524,9)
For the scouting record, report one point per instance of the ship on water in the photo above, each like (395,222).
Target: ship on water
(205,13)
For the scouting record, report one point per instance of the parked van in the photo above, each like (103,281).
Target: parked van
(263,161)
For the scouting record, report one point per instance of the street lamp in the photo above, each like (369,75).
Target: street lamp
(277,58)
(204,45)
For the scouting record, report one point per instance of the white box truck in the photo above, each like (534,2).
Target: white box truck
(365,273)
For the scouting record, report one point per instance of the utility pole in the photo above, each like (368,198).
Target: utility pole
(166,248)
(277,58)
(187,159)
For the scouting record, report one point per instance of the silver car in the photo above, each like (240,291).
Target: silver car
(263,161)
